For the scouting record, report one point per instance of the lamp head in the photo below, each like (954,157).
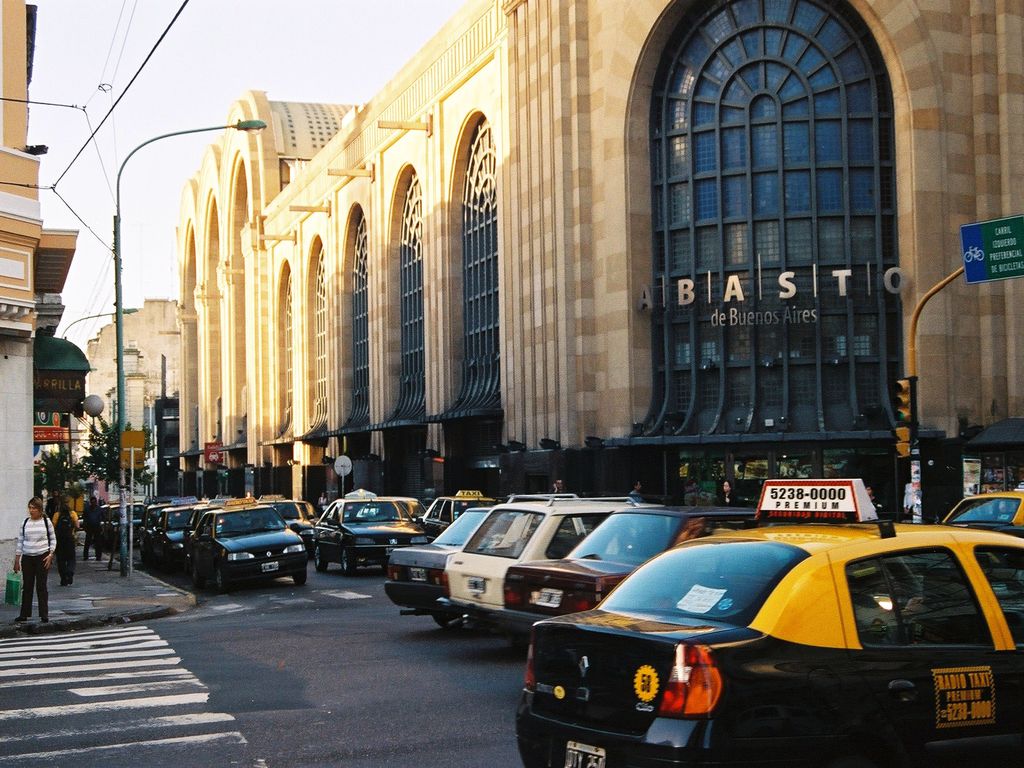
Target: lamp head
(93,405)
(249,125)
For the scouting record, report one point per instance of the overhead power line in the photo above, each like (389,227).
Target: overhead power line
(125,91)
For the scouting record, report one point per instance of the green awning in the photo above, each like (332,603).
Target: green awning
(53,354)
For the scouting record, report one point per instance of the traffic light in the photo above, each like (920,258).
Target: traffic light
(902,442)
(903,402)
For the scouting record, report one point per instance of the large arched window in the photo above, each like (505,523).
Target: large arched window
(411,402)
(773,182)
(481,382)
(318,346)
(360,413)
(284,348)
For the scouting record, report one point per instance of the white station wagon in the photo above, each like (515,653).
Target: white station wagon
(530,528)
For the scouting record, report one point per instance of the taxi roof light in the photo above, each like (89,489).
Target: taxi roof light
(463,494)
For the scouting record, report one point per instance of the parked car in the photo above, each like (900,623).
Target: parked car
(165,542)
(416,574)
(513,532)
(299,515)
(444,510)
(364,531)
(991,511)
(149,524)
(110,527)
(817,645)
(245,542)
(625,540)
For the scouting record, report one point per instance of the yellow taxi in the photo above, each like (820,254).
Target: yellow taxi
(822,637)
(445,510)
(1002,511)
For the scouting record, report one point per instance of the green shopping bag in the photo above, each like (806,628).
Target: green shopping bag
(13,594)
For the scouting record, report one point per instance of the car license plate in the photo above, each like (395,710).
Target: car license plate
(579,755)
(418,574)
(476,584)
(547,598)
(273,565)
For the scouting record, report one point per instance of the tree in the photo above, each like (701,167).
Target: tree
(102,455)
(53,474)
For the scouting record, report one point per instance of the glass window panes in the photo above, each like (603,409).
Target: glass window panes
(798,242)
(831,247)
(833,336)
(764,146)
(682,253)
(739,352)
(734,148)
(795,466)
(811,60)
(862,190)
(680,202)
(828,143)
(747,12)
(798,192)
(796,143)
(704,152)
(766,242)
(791,88)
(776,10)
(824,78)
(1004,569)
(865,338)
(734,196)
(766,194)
(862,145)
(762,107)
(736,245)
(678,114)
(708,250)
(703,113)
(707,199)
(795,45)
(833,37)
(679,155)
(830,191)
(862,239)
(858,97)
(807,16)
(827,103)
(752,43)
(796,108)
(914,598)
(851,64)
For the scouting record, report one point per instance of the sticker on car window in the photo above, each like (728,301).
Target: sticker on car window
(964,696)
(700,599)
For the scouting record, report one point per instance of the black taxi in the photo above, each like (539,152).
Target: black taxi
(445,510)
(841,645)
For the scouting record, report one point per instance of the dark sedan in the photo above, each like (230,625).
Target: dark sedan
(165,542)
(245,543)
(110,527)
(625,540)
(364,531)
(300,518)
(416,574)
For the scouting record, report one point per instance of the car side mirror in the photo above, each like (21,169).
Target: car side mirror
(295,527)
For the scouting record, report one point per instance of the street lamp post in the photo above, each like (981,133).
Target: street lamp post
(129,311)
(119,312)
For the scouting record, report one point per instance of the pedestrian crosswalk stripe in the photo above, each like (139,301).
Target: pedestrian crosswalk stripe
(104,706)
(151,685)
(35,653)
(26,671)
(165,651)
(232,737)
(76,644)
(123,726)
(76,636)
(102,678)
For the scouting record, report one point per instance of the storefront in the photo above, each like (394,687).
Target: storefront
(994,459)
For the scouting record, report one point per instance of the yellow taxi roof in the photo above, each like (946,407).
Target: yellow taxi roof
(822,537)
(997,495)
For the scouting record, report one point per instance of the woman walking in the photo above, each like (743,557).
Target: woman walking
(65,526)
(33,555)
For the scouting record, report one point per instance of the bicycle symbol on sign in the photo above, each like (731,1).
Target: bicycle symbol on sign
(974,253)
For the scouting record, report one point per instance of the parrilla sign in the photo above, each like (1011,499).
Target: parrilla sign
(60,391)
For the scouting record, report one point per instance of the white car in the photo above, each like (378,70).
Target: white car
(517,531)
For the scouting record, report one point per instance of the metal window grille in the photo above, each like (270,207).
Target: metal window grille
(771,129)
(319,410)
(360,413)
(412,380)
(481,380)
(285,350)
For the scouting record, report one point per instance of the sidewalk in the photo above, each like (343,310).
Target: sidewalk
(98,597)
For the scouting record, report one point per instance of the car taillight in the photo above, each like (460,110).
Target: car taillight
(694,685)
(530,679)
(444,583)
(436,577)
(394,572)
(513,595)
(576,602)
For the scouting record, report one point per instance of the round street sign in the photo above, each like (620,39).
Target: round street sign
(343,465)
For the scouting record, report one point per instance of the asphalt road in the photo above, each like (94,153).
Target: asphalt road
(328,674)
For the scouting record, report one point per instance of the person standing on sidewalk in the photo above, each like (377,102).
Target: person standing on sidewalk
(93,518)
(65,525)
(33,555)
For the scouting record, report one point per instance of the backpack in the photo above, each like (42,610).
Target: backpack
(65,528)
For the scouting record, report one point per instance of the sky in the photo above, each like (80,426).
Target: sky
(87,51)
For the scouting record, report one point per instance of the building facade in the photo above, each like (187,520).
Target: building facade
(34,263)
(662,240)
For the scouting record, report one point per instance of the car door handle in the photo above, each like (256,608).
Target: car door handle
(903,690)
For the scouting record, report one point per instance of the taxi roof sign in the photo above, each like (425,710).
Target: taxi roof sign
(816,501)
(462,494)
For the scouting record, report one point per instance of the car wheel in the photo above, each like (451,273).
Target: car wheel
(348,562)
(197,578)
(318,559)
(300,578)
(220,580)
(447,620)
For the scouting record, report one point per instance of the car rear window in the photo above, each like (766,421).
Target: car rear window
(985,511)
(505,533)
(455,535)
(628,537)
(176,521)
(720,581)
(374,512)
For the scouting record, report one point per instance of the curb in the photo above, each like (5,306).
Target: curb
(59,626)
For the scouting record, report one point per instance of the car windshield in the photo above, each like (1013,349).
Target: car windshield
(505,533)
(177,521)
(1000,510)
(292,510)
(458,507)
(628,537)
(138,512)
(249,521)
(374,512)
(720,581)
(456,534)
